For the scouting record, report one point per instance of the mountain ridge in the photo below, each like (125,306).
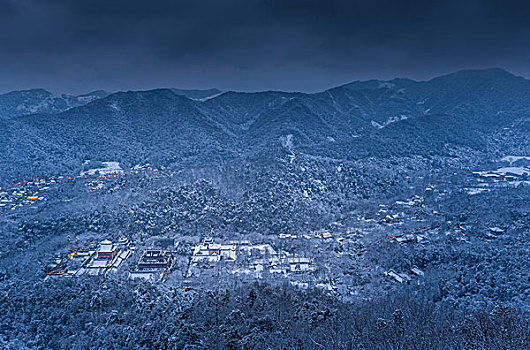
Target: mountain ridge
(404,118)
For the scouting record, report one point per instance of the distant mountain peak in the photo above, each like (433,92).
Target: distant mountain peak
(31,101)
(490,74)
(486,73)
(197,94)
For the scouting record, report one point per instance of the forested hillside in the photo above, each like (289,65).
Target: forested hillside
(374,215)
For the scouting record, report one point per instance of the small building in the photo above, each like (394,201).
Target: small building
(496,230)
(404,238)
(212,252)
(98,267)
(416,271)
(299,264)
(152,264)
(153,259)
(398,277)
(107,250)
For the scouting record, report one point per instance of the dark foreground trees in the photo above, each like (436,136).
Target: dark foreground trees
(91,314)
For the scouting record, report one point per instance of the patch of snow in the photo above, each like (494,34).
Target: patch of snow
(513,159)
(389,121)
(207,97)
(385,85)
(514,170)
(115,106)
(376,125)
(517,183)
(87,99)
(474,191)
(287,142)
(110,168)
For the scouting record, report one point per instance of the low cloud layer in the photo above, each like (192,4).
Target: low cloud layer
(74,46)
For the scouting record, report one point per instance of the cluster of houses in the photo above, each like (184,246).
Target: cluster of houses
(98,182)
(509,174)
(144,169)
(159,259)
(27,192)
(244,257)
(106,257)
(24,193)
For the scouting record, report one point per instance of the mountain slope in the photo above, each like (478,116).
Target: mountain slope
(466,111)
(129,127)
(197,94)
(18,103)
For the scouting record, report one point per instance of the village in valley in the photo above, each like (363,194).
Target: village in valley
(316,259)
(383,246)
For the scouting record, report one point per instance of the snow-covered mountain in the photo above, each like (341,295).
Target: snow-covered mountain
(468,111)
(37,101)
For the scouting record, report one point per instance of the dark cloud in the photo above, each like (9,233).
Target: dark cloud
(251,45)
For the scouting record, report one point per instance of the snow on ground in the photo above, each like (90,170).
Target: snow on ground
(110,168)
(513,159)
(389,121)
(115,106)
(517,183)
(514,170)
(386,85)
(474,191)
(519,171)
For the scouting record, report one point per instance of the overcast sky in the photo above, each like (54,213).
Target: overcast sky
(77,45)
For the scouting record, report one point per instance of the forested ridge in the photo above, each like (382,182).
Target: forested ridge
(91,314)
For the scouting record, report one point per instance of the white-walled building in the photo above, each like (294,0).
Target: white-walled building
(299,264)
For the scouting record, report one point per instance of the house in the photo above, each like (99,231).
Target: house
(152,264)
(107,250)
(496,230)
(153,259)
(404,238)
(416,271)
(201,252)
(398,277)
(98,267)
(299,264)
(212,252)
(108,257)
